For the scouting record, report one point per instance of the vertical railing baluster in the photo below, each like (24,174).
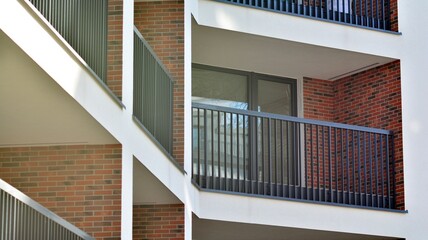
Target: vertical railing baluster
(282,158)
(232,187)
(212,150)
(289,164)
(323,163)
(205,149)
(371,171)
(301,159)
(353,168)
(377,15)
(276,158)
(348,177)
(263,156)
(383,15)
(382,171)
(376,169)
(256,170)
(366,13)
(198,177)
(388,181)
(372,13)
(312,164)
(354,12)
(237,153)
(336,163)
(269,148)
(219,150)
(225,150)
(394,187)
(306,154)
(318,164)
(244,162)
(348,12)
(343,166)
(329,165)
(365,169)
(359,168)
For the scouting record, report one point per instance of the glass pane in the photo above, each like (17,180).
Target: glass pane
(219,88)
(274,97)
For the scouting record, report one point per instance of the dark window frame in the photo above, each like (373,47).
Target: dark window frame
(252,89)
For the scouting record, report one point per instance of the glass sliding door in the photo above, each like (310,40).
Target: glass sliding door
(233,151)
(275,139)
(216,154)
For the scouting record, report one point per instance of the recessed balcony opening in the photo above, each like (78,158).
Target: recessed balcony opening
(287,125)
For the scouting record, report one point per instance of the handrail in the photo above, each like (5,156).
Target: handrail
(153,92)
(21,197)
(249,152)
(152,52)
(291,118)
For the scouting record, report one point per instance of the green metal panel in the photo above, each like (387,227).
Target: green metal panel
(23,218)
(152,93)
(83,24)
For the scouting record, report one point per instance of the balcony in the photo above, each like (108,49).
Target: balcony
(280,156)
(372,14)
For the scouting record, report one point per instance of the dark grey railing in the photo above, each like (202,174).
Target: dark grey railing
(83,24)
(367,13)
(281,156)
(23,218)
(153,88)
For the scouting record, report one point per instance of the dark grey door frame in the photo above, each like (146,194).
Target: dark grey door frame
(252,88)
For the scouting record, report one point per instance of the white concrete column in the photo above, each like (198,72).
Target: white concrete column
(127,99)
(188,86)
(128,54)
(127,193)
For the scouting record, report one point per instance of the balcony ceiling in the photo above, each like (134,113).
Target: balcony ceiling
(35,110)
(148,189)
(248,52)
(213,230)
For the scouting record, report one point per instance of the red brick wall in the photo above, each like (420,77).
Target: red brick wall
(318,99)
(114,46)
(371,98)
(81,184)
(162,25)
(158,222)
(394,15)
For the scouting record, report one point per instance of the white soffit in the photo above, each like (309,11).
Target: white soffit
(35,110)
(249,52)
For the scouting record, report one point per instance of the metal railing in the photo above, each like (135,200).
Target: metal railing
(366,13)
(23,218)
(83,24)
(288,157)
(153,86)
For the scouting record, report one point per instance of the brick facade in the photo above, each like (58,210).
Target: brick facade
(153,222)
(80,183)
(393,15)
(371,98)
(162,25)
(114,46)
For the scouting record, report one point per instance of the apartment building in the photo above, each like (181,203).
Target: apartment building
(213,119)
